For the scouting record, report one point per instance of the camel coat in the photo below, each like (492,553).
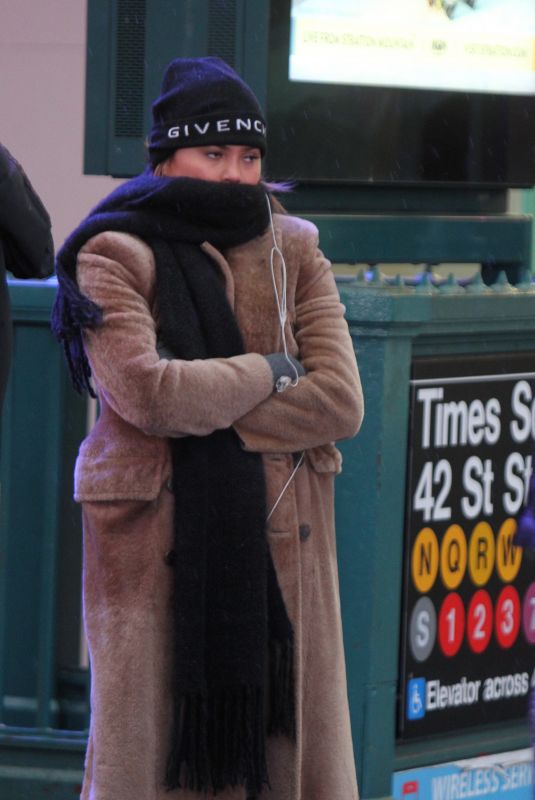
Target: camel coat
(122,480)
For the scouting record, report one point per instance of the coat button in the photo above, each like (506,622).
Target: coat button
(304,532)
(170,558)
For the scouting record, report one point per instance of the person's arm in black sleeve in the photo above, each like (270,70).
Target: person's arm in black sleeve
(25,229)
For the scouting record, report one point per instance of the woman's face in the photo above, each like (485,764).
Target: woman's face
(229,163)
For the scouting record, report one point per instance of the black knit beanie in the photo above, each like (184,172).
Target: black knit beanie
(204,102)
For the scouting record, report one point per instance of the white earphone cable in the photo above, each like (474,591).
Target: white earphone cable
(288,482)
(280,301)
(282,312)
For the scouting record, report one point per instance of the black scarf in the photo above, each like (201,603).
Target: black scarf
(233,672)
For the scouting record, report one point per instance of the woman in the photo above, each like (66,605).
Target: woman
(215,638)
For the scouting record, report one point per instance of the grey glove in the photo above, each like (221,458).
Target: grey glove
(163,351)
(286,370)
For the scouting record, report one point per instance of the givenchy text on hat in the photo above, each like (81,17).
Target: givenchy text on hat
(216,126)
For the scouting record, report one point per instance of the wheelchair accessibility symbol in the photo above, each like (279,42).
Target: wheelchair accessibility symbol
(416,698)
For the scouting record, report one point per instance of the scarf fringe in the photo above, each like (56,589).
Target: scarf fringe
(73,312)
(281,717)
(219,741)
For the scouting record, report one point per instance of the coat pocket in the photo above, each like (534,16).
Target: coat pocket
(118,478)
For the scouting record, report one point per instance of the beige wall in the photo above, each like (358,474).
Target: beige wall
(42,78)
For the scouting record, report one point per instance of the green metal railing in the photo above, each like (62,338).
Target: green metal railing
(42,689)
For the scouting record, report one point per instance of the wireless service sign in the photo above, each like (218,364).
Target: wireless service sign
(468,612)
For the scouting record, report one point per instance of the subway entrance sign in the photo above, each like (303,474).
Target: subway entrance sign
(468,609)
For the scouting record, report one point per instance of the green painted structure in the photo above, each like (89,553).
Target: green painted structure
(41,686)
(391,325)
(43,689)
